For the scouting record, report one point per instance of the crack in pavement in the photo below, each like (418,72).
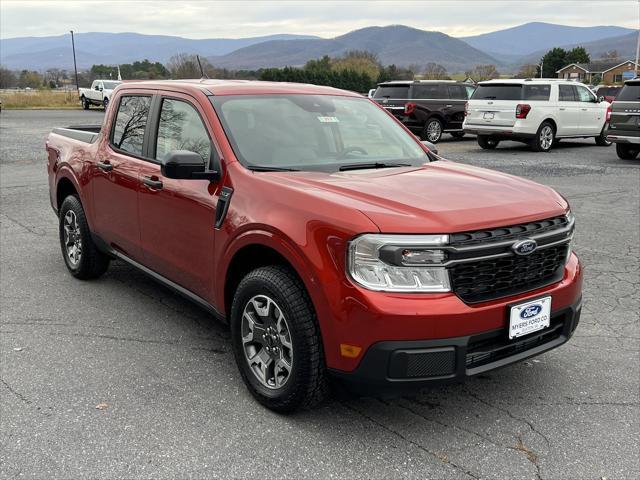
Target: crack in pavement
(28,228)
(442,457)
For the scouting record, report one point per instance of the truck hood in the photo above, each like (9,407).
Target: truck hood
(439,197)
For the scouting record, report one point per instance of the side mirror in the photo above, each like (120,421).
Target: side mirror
(96,87)
(600,99)
(430,146)
(186,165)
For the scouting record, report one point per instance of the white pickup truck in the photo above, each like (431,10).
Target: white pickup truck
(98,94)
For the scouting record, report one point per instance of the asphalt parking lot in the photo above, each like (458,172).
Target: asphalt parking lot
(120,378)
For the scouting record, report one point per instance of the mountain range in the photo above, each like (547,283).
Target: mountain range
(397,44)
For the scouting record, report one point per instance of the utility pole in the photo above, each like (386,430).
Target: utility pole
(75,67)
(638,42)
(542,63)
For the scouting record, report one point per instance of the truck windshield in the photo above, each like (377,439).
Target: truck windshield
(314,132)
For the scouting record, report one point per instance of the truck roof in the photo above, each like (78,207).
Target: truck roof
(236,87)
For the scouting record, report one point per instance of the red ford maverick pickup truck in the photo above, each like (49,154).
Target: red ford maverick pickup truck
(333,242)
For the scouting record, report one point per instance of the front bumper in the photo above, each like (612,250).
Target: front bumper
(401,366)
(623,139)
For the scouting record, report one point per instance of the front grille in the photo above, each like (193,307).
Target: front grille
(512,232)
(484,267)
(494,278)
(485,349)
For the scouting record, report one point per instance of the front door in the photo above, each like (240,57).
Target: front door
(177,217)
(592,113)
(113,177)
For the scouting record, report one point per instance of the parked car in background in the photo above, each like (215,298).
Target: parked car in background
(624,126)
(539,112)
(428,108)
(607,92)
(332,240)
(99,93)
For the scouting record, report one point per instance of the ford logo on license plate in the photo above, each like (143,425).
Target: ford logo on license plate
(530,311)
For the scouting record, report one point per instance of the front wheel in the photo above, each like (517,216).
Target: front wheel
(85,103)
(82,257)
(545,136)
(626,152)
(105,103)
(487,143)
(432,131)
(276,340)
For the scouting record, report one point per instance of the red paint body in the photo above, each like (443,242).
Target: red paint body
(307,217)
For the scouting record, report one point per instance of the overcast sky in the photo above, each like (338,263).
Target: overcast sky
(217,19)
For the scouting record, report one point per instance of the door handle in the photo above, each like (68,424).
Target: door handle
(584,109)
(105,166)
(448,106)
(152,183)
(562,108)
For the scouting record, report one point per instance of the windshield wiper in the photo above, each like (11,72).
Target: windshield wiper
(362,166)
(267,168)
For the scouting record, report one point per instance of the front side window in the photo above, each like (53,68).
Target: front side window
(314,132)
(130,123)
(584,95)
(181,128)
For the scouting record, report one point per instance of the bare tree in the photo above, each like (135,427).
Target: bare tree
(435,71)
(610,55)
(484,72)
(185,65)
(527,71)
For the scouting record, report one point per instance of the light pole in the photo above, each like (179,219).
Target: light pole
(638,42)
(542,64)
(75,67)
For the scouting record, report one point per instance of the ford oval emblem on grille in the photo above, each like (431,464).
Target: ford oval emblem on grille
(524,247)
(530,311)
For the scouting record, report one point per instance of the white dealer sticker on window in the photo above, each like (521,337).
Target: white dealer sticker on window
(328,119)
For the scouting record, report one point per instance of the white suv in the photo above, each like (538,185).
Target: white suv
(536,111)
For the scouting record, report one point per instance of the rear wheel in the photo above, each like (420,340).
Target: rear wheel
(85,103)
(82,257)
(545,136)
(457,134)
(276,340)
(601,140)
(105,103)
(487,143)
(432,131)
(627,152)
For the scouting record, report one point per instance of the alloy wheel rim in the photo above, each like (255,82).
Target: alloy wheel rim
(433,131)
(266,342)
(72,238)
(546,137)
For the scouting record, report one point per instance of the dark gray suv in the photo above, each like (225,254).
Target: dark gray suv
(624,125)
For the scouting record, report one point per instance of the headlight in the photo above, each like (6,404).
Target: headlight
(399,263)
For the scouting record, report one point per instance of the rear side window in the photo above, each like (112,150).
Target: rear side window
(181,128)
(392,91)
(629,93)
(536,92)
(130,123)
(429,91)
(498,92)
(566,93)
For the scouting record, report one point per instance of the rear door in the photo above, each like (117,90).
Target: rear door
(454,107)
(113,175)
(569,110)
(494,104)
(393,97)
(592,113)
(177,217)
(429,99)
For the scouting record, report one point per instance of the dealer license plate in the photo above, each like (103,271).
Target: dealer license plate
(529,317)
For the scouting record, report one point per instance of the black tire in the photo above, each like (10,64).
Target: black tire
(307,384)
(432,131)
(626,152)
(105,103)
(91,262)
(457,134)
(545,136)
(85,103)
(487,143)
(601,140)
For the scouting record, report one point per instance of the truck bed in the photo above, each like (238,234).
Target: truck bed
(82,133)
